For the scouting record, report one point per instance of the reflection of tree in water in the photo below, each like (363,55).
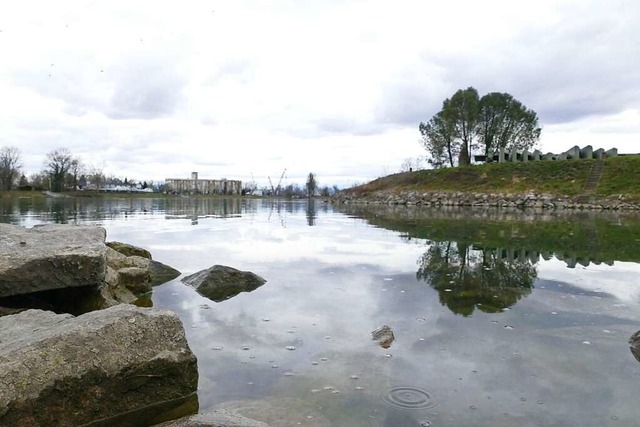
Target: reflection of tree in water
(467,278)
(311,212)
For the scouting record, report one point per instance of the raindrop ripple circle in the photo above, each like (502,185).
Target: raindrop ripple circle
(407,397)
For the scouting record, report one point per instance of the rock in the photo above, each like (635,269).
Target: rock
(220,282)
(6,311)
(56,369)
(136,279)
(384,336)
(50,257)
(71,269)
(219,418)
(129,250)
(162,273)
(132,273)
(279,411)
(634,345)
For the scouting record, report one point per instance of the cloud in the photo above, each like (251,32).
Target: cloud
(146,91)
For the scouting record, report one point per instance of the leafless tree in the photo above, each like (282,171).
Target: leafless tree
(57,164)
(9,166)
(75,170)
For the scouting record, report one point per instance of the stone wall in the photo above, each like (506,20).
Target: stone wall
(496,200)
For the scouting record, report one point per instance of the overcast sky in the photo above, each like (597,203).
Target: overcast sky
(157,89)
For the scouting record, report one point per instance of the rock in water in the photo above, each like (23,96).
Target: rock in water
(129,250)
(634,345)
(50,257)
(384,336)
(56,369)
(162,273)
(220,282)
(218,418)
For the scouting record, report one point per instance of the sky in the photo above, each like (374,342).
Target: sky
(248,89)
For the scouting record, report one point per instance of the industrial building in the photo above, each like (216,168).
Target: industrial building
(203,186)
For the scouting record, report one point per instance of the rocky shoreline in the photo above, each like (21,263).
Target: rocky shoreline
(484,200)
(75,350)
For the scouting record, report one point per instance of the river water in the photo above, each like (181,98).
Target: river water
(498,318)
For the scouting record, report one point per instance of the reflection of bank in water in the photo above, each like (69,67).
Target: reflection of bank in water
(572,260)
(575,237)
(195,208)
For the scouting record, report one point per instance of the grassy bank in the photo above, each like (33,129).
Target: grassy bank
(621,175)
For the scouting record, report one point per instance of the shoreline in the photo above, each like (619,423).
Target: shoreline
(492,200)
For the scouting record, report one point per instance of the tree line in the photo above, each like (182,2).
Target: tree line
(61,171)
(64,171)
(468,124)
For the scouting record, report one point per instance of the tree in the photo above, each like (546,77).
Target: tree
(466,123)
(75,170)
(439,139)
(410,164)
(311,185)
(96,177)
(57,165)
(9,167)
(464,110)
(506,124)
(39,181)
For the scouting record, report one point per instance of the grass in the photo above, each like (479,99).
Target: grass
(621,175)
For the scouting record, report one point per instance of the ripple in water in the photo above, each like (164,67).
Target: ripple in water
(408,397)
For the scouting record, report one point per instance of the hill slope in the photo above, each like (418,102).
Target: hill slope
(620,175)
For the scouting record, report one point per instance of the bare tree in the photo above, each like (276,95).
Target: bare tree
(57,164)
(39,181)
(75,170)
(96,177)
(9,166)
(410,164)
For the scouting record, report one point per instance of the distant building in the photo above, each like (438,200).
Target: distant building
(203,186)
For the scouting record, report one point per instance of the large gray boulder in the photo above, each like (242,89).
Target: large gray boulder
(50,257)
(220,282)
(67,268)
(56,369)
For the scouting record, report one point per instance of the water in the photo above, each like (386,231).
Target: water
(498,319)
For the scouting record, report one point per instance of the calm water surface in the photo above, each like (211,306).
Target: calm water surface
(499,319)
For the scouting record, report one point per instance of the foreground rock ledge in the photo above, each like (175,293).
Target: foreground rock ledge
(68,371)
(69,268)
(50,257)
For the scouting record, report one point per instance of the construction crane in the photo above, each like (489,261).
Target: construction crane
(276,191)
(278,188)
(273,190)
